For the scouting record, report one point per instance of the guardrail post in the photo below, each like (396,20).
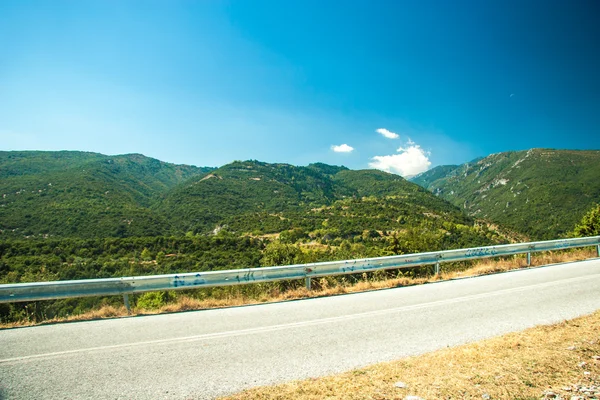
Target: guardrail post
(598,250)
(307,281)
(437,268)
(126,301)
(529,259)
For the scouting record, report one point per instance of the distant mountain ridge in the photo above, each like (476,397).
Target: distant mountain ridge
(87,195)
(542,193)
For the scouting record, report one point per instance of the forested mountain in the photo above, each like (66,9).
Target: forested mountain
(78,194)
(320,201)
(87,195)
(542,193)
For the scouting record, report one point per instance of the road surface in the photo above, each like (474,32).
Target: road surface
(204,354)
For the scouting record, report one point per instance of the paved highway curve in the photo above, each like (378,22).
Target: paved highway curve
(204,354)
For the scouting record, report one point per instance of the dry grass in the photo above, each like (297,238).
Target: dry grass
(103,312)
(238,296)
(561,358)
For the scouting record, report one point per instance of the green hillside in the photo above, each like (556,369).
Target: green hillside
(77,194)
(542,193)
(256,198)
(245,188)
(88,195)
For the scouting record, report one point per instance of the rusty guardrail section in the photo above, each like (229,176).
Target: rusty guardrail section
(20,292)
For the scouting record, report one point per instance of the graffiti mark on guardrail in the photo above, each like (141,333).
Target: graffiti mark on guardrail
(181,281)
(247,277)
(198,280)
(178,281)
(481,252)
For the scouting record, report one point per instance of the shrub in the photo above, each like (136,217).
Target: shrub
(590,223)
(153,300)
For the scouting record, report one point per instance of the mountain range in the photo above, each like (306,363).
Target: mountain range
(86,195)
(541,193)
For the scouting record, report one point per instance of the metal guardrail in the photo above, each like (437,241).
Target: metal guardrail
(20,292)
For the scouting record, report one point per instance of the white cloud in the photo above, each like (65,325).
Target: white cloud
(342,148)
(410,161)
(387,134)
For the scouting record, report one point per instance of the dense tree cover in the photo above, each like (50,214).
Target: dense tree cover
(63,259)
(541,192)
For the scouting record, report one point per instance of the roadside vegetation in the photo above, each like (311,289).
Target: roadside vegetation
(199,299)
(67,259)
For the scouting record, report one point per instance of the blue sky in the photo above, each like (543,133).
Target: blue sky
(209,82)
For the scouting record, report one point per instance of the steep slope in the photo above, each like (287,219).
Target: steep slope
(84,194)
(435,175)
(541,192)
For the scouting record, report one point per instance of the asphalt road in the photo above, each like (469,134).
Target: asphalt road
(204,354)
